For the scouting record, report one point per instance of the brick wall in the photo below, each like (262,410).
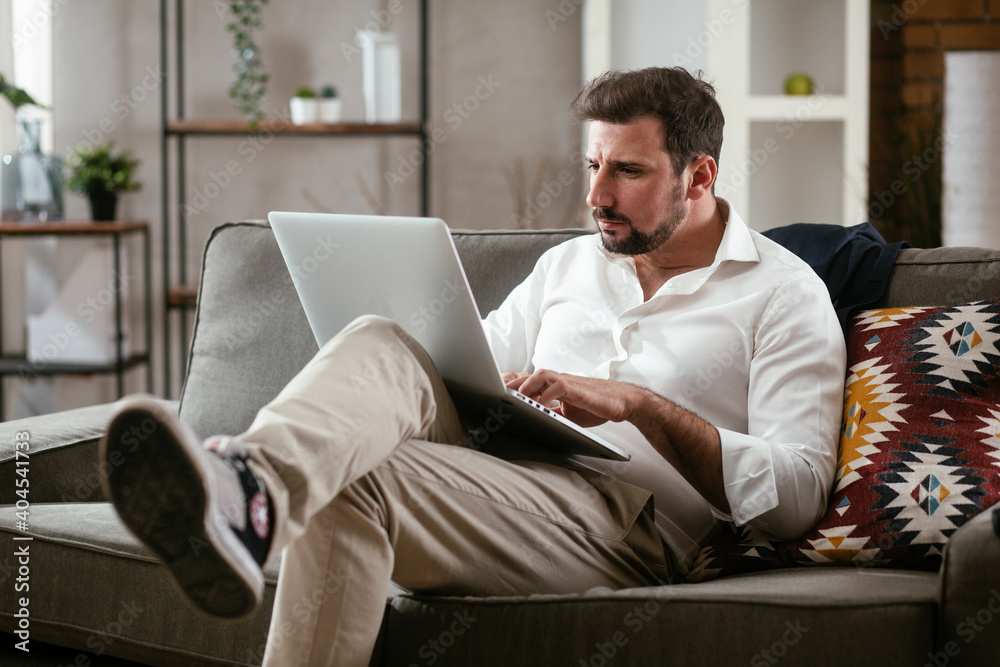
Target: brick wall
(908,41)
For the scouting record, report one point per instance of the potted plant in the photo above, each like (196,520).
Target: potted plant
(250,85)
(101,176)
(329,105)
(305,108)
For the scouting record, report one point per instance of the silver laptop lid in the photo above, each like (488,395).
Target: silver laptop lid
(411,275)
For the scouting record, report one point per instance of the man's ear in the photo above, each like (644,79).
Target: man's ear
(703,171)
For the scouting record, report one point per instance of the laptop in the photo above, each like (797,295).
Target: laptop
(408,270)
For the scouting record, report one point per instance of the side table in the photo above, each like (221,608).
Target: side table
(19,364)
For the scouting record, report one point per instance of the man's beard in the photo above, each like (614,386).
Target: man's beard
(636,242)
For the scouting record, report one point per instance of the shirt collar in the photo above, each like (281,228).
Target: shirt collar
(737,243)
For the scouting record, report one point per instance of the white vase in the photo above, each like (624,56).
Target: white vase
(305,110)
(329,110)
(381,70)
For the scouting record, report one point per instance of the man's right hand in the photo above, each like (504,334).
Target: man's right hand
(514,380)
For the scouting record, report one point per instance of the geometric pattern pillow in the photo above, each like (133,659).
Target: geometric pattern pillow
(919,449)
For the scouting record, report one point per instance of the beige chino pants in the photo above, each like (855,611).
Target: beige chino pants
(366,489)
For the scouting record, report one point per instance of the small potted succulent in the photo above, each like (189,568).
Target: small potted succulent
(305,107)
(101,175)
(329,105)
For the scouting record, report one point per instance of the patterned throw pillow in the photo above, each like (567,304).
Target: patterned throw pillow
(919,450)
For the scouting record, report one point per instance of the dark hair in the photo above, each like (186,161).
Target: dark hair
(686,106)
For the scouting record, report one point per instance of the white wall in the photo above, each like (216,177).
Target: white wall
(659,33)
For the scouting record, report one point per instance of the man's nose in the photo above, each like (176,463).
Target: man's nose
(601,194)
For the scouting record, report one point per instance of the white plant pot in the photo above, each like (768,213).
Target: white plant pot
(305,110)
(329,110)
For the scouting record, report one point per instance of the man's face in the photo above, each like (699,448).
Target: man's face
(637,198)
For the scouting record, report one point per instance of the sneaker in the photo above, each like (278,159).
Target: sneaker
(203,513)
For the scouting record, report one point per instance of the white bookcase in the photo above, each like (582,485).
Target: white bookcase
(791,158)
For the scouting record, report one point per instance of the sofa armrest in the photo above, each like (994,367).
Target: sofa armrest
(62,455)
(970,594)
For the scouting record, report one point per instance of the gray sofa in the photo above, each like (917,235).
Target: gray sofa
(95,589)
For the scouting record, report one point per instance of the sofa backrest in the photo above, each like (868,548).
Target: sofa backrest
(942,277)
(251,335)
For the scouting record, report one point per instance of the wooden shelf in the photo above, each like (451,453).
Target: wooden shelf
(184,296)
(73,227)
(796,108)
(226,127)
(789,158)
(11,365)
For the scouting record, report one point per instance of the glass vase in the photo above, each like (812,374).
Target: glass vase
(31,182)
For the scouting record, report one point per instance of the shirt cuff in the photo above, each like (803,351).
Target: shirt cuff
(748,476)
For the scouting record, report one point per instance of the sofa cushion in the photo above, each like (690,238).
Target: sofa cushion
(93,585)
(133,613)
(62,452)
(919,451)
(941,277)
(251,334)
(800,616)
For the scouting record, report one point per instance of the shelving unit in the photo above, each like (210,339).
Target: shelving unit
(19,364)
(793,158)
(180,295)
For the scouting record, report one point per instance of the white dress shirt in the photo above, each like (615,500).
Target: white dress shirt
(751,344)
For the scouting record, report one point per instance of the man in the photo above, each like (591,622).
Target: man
(674,308)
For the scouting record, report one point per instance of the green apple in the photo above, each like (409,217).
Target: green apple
(798,84)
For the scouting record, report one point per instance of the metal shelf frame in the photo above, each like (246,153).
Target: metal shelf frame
(18,364)
(179,295)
